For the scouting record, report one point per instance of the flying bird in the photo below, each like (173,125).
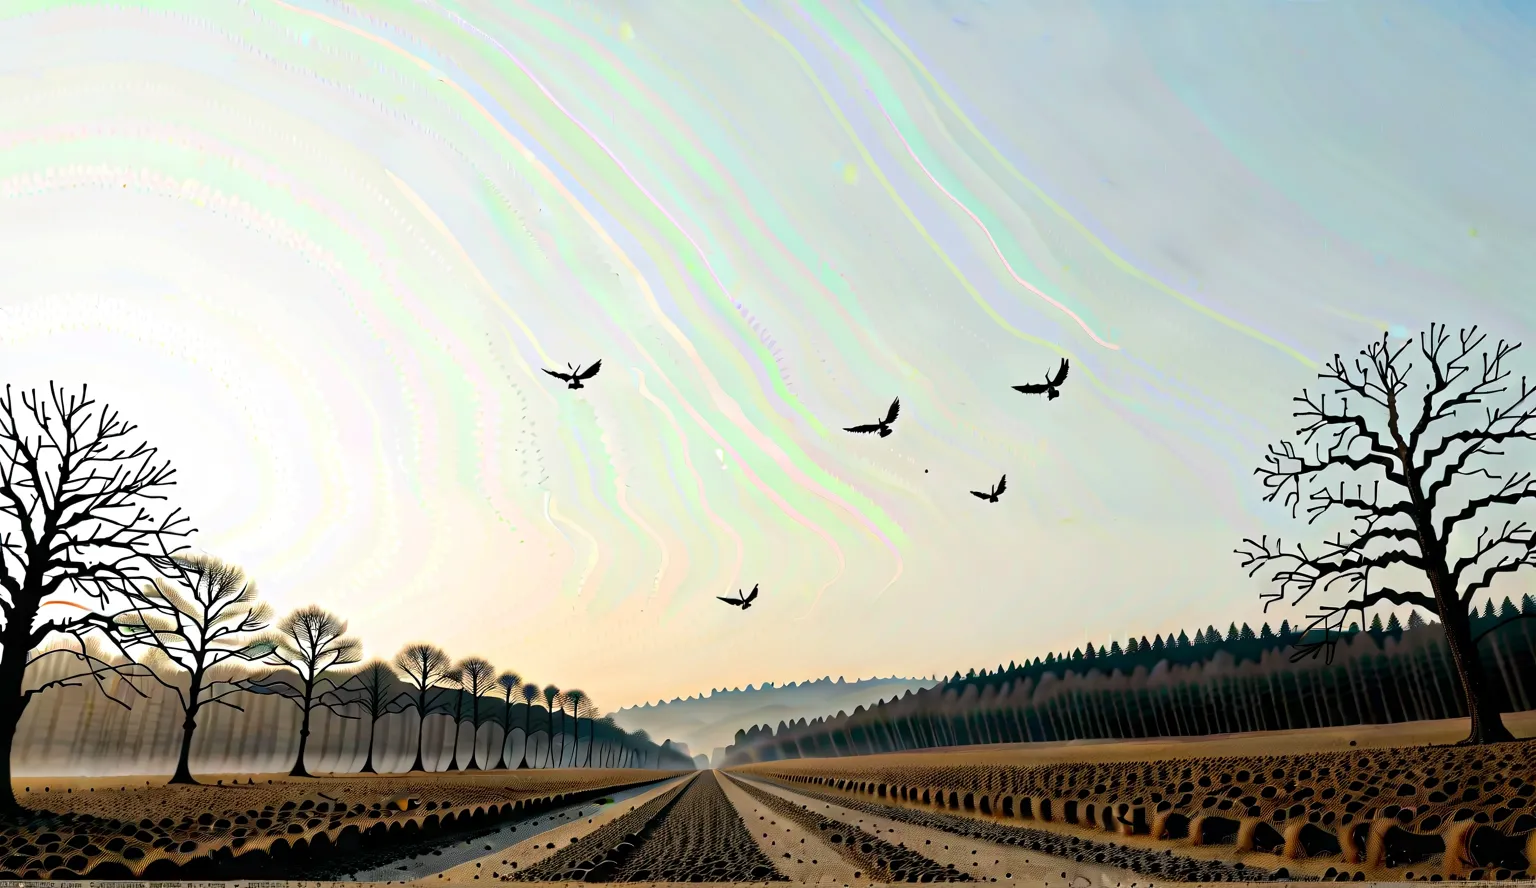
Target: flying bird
(1050,388)
(997,490)
(883,426)
(577,374)
(742,601)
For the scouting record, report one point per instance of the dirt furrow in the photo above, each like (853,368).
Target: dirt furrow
(1145,861)
(810,858)
(542,837)
(700,838)
(873,857)
(595,857)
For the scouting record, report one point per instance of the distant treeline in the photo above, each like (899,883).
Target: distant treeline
(1214,683)
(77,730)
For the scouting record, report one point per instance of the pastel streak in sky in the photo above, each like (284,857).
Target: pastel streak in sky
(320,253)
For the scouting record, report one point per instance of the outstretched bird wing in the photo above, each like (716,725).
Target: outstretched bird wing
(564,376)
(1002,485)
(864,429)
(591,371)
(730,601)
(754,592)
(890,415)
(1040,389)
(1061,374)
(979,495)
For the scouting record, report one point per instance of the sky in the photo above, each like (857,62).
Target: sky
(319,252)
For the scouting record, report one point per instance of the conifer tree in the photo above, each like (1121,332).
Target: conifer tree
(1414,620)
(1232,632)
(1199,636)
(1184,641)
(1376,628)
(1527,604)
(1114,649)
(1507,611)
(1266,634)
(1245,634)
(1157,645)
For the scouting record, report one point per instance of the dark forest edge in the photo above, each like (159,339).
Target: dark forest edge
(1178,687)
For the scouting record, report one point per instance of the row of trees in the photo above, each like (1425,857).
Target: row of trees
(197,632)
(1379,675)
(95,568)
(1242,643)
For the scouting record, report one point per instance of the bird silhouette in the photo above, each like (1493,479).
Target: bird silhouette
(1051,387)
(576,375)
(883,426)
(742,601)
(997,490)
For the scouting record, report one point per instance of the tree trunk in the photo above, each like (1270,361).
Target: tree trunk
(368,762)
(13,660)
(506,734)
(183,773)
(298,762)
(522,761)
(1482,707)
(474,740)
(421,725)
(453,760)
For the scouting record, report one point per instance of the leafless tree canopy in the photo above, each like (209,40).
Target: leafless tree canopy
(312,641)
(75,496)
(203,616)
(375,689)
(1417,478)
(423,666)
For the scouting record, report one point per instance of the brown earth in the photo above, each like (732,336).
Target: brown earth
(144,829)
(690,833)
(1366,803)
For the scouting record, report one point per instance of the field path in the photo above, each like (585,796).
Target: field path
(537,848)
(777,836)
(982,860)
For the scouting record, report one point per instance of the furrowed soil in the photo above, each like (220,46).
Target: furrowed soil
(270,827)
(1345,805)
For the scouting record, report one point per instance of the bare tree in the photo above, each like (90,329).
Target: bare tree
(423,666)
(530,692)
(476,677)
(575,699)
(373,690)
(201,617)
(1421,490)
(552,699)
(311,642)
(508,683)
(75,492)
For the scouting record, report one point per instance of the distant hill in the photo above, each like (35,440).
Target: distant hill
(710,721)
